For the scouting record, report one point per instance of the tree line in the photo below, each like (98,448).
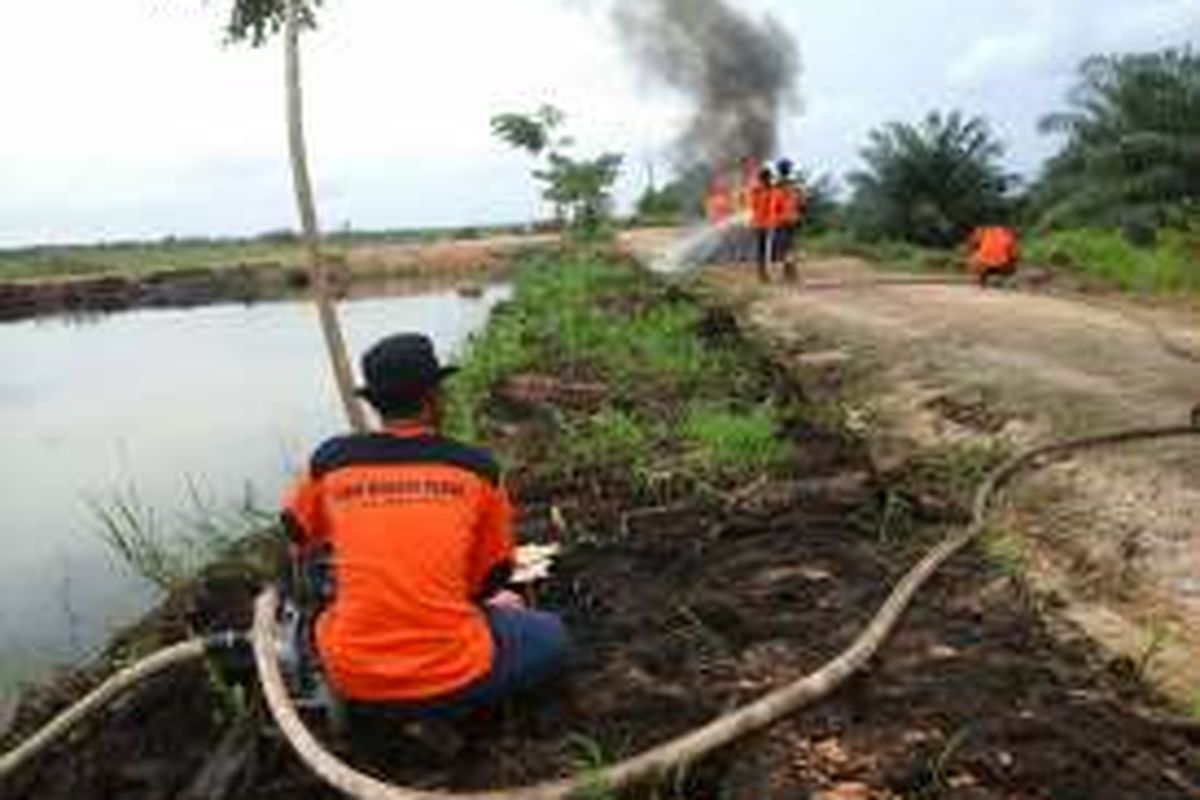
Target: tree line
(1130,160)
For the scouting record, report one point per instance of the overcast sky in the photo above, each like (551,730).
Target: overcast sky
(129,118)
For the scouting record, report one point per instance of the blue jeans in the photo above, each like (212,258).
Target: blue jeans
(531,647)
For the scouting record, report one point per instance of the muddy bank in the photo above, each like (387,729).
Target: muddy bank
(177,289)
(360,269)
(688,595)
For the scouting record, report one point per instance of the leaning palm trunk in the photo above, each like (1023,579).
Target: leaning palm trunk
(330,327)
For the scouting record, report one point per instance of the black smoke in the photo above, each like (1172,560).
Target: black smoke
(740,73)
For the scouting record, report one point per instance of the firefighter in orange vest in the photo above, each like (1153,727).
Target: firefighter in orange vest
(995,252)
(788,202)
(718,204)
(762,220)
(419,529)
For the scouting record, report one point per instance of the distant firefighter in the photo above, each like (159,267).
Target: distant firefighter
(788,203)
(995,253)
(762,220)
(719,204)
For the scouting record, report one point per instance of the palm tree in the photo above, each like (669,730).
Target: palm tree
(1132,151)
(929,183)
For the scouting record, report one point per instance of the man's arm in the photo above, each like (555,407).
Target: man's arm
(495,546)
(303,516)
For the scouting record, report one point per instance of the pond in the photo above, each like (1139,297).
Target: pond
(174,411)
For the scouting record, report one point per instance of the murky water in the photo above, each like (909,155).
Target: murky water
(164,405)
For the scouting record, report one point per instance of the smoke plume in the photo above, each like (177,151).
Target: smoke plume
(740,73)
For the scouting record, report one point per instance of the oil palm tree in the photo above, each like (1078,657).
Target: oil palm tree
(1132,150)
(929,183)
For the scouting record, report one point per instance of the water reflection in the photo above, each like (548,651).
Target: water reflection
(214,399)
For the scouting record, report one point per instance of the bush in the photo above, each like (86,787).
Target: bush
(1170,266)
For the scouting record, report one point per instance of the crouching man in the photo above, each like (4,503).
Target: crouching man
(995,252)
(420,532)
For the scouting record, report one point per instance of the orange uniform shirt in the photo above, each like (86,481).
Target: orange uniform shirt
(418,525)
(994,247)
(761,208)
(718,204)
(787,205)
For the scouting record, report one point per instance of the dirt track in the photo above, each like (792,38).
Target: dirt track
(931,367)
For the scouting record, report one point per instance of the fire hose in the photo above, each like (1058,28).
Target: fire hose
(168,658)
(655,764)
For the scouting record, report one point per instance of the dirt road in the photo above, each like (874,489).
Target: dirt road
(952,369)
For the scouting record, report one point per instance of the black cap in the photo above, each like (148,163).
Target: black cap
(401,369)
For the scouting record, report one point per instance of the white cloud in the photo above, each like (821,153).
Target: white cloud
(1053,35)
(122,131)
(128,117)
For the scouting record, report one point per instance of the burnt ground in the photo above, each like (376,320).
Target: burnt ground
(696,611)
(682,611)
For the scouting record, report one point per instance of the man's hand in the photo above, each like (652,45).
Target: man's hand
(506,599)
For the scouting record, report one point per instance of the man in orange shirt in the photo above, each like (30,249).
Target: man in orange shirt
(718,204)
(420,533)
(787,211)
(762,220)
(995,251)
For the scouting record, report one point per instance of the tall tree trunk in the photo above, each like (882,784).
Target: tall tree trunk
(335,342)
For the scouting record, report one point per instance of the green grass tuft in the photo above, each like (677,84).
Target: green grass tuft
(735,443)
(169,556)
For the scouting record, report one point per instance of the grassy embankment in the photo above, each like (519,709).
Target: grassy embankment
(1104,258)
(656,401)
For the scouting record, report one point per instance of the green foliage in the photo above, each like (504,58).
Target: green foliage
(169,556)
(579,188)
(896,519)
(501,352)
(1169,266)
(678,406)
(1132,151)
(533,133)
(610,437)
(662,206)
(590,759)
(1007,551)
(582,186)
(255,21)
(931,183)
(823,212)
(733,442)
